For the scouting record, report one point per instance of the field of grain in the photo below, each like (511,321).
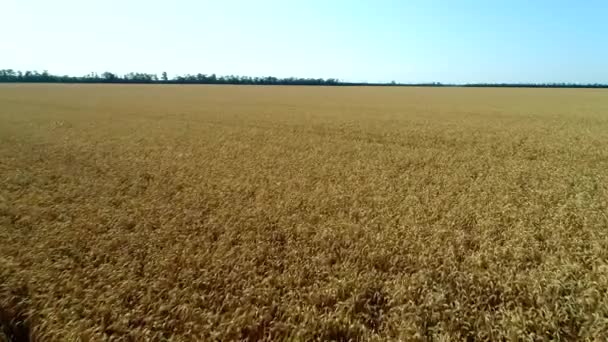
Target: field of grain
(302,213)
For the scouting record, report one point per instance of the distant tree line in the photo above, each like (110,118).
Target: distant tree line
(10,75)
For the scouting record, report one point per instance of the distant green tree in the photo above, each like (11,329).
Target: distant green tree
(109,77)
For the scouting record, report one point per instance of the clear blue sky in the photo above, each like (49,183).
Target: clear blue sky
(381,40)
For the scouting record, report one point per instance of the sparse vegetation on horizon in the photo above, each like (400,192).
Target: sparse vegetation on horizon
(12,76)
(281,213)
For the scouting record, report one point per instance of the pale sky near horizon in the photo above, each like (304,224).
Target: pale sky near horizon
(375,41)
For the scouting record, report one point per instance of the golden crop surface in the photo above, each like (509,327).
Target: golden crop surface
(303,213)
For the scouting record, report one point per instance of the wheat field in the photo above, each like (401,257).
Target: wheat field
(217,213)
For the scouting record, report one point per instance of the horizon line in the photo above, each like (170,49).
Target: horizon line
(33,76)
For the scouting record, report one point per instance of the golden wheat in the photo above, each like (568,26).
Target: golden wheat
(303,213)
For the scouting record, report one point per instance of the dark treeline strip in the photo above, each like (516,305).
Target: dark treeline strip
(10,75)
